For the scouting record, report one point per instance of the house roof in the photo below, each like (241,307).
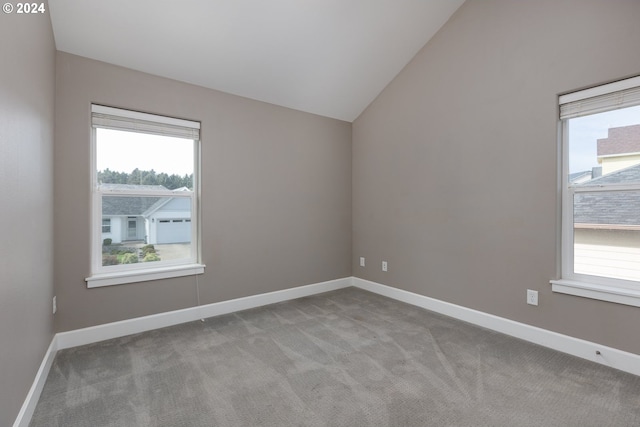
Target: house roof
(629,175)
(620,140)
(611,208)
(129,205)
(134,187)
(579,176)
(124,205)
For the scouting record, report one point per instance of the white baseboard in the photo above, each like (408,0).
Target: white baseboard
(612,357)
(26,412)
(155,321)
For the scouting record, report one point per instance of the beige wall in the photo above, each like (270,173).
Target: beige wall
(455,170)
(612,164)
(27,69)
(276,194)
(606,252)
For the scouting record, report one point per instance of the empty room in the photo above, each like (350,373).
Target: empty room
(320,213)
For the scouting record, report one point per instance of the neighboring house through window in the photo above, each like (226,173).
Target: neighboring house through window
(145,171)
(601,193)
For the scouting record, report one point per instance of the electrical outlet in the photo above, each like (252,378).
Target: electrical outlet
(55,305)
(385,266)
(361,261)
(532,297)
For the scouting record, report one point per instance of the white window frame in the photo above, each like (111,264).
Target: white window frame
(608,97)
(134,121)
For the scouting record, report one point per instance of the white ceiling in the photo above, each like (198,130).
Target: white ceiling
(328,57)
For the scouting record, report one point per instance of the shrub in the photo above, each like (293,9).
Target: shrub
(123,250)
(129,258)
(151,257)
(148,249)
(107,242)
(109,260)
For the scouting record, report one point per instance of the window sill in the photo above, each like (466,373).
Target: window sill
(609,293)
(120,278)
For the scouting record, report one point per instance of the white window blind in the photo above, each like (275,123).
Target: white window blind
(621,94)
(134,121)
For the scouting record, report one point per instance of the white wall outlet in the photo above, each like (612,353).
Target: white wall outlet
(361,261)
(385,266)
(55,305)
(532,297)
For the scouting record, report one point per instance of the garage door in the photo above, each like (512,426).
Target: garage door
(174,231)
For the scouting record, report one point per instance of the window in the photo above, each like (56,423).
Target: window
(145,173)
(601,193)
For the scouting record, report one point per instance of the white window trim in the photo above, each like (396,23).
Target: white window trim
(123,277)
(595,287)
(597,291)
(133,273)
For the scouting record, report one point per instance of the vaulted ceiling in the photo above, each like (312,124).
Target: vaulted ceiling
(328,57)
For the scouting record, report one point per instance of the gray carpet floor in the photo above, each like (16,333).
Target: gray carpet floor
(343,358)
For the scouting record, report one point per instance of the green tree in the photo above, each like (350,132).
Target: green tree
(142,177)
(148,177)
